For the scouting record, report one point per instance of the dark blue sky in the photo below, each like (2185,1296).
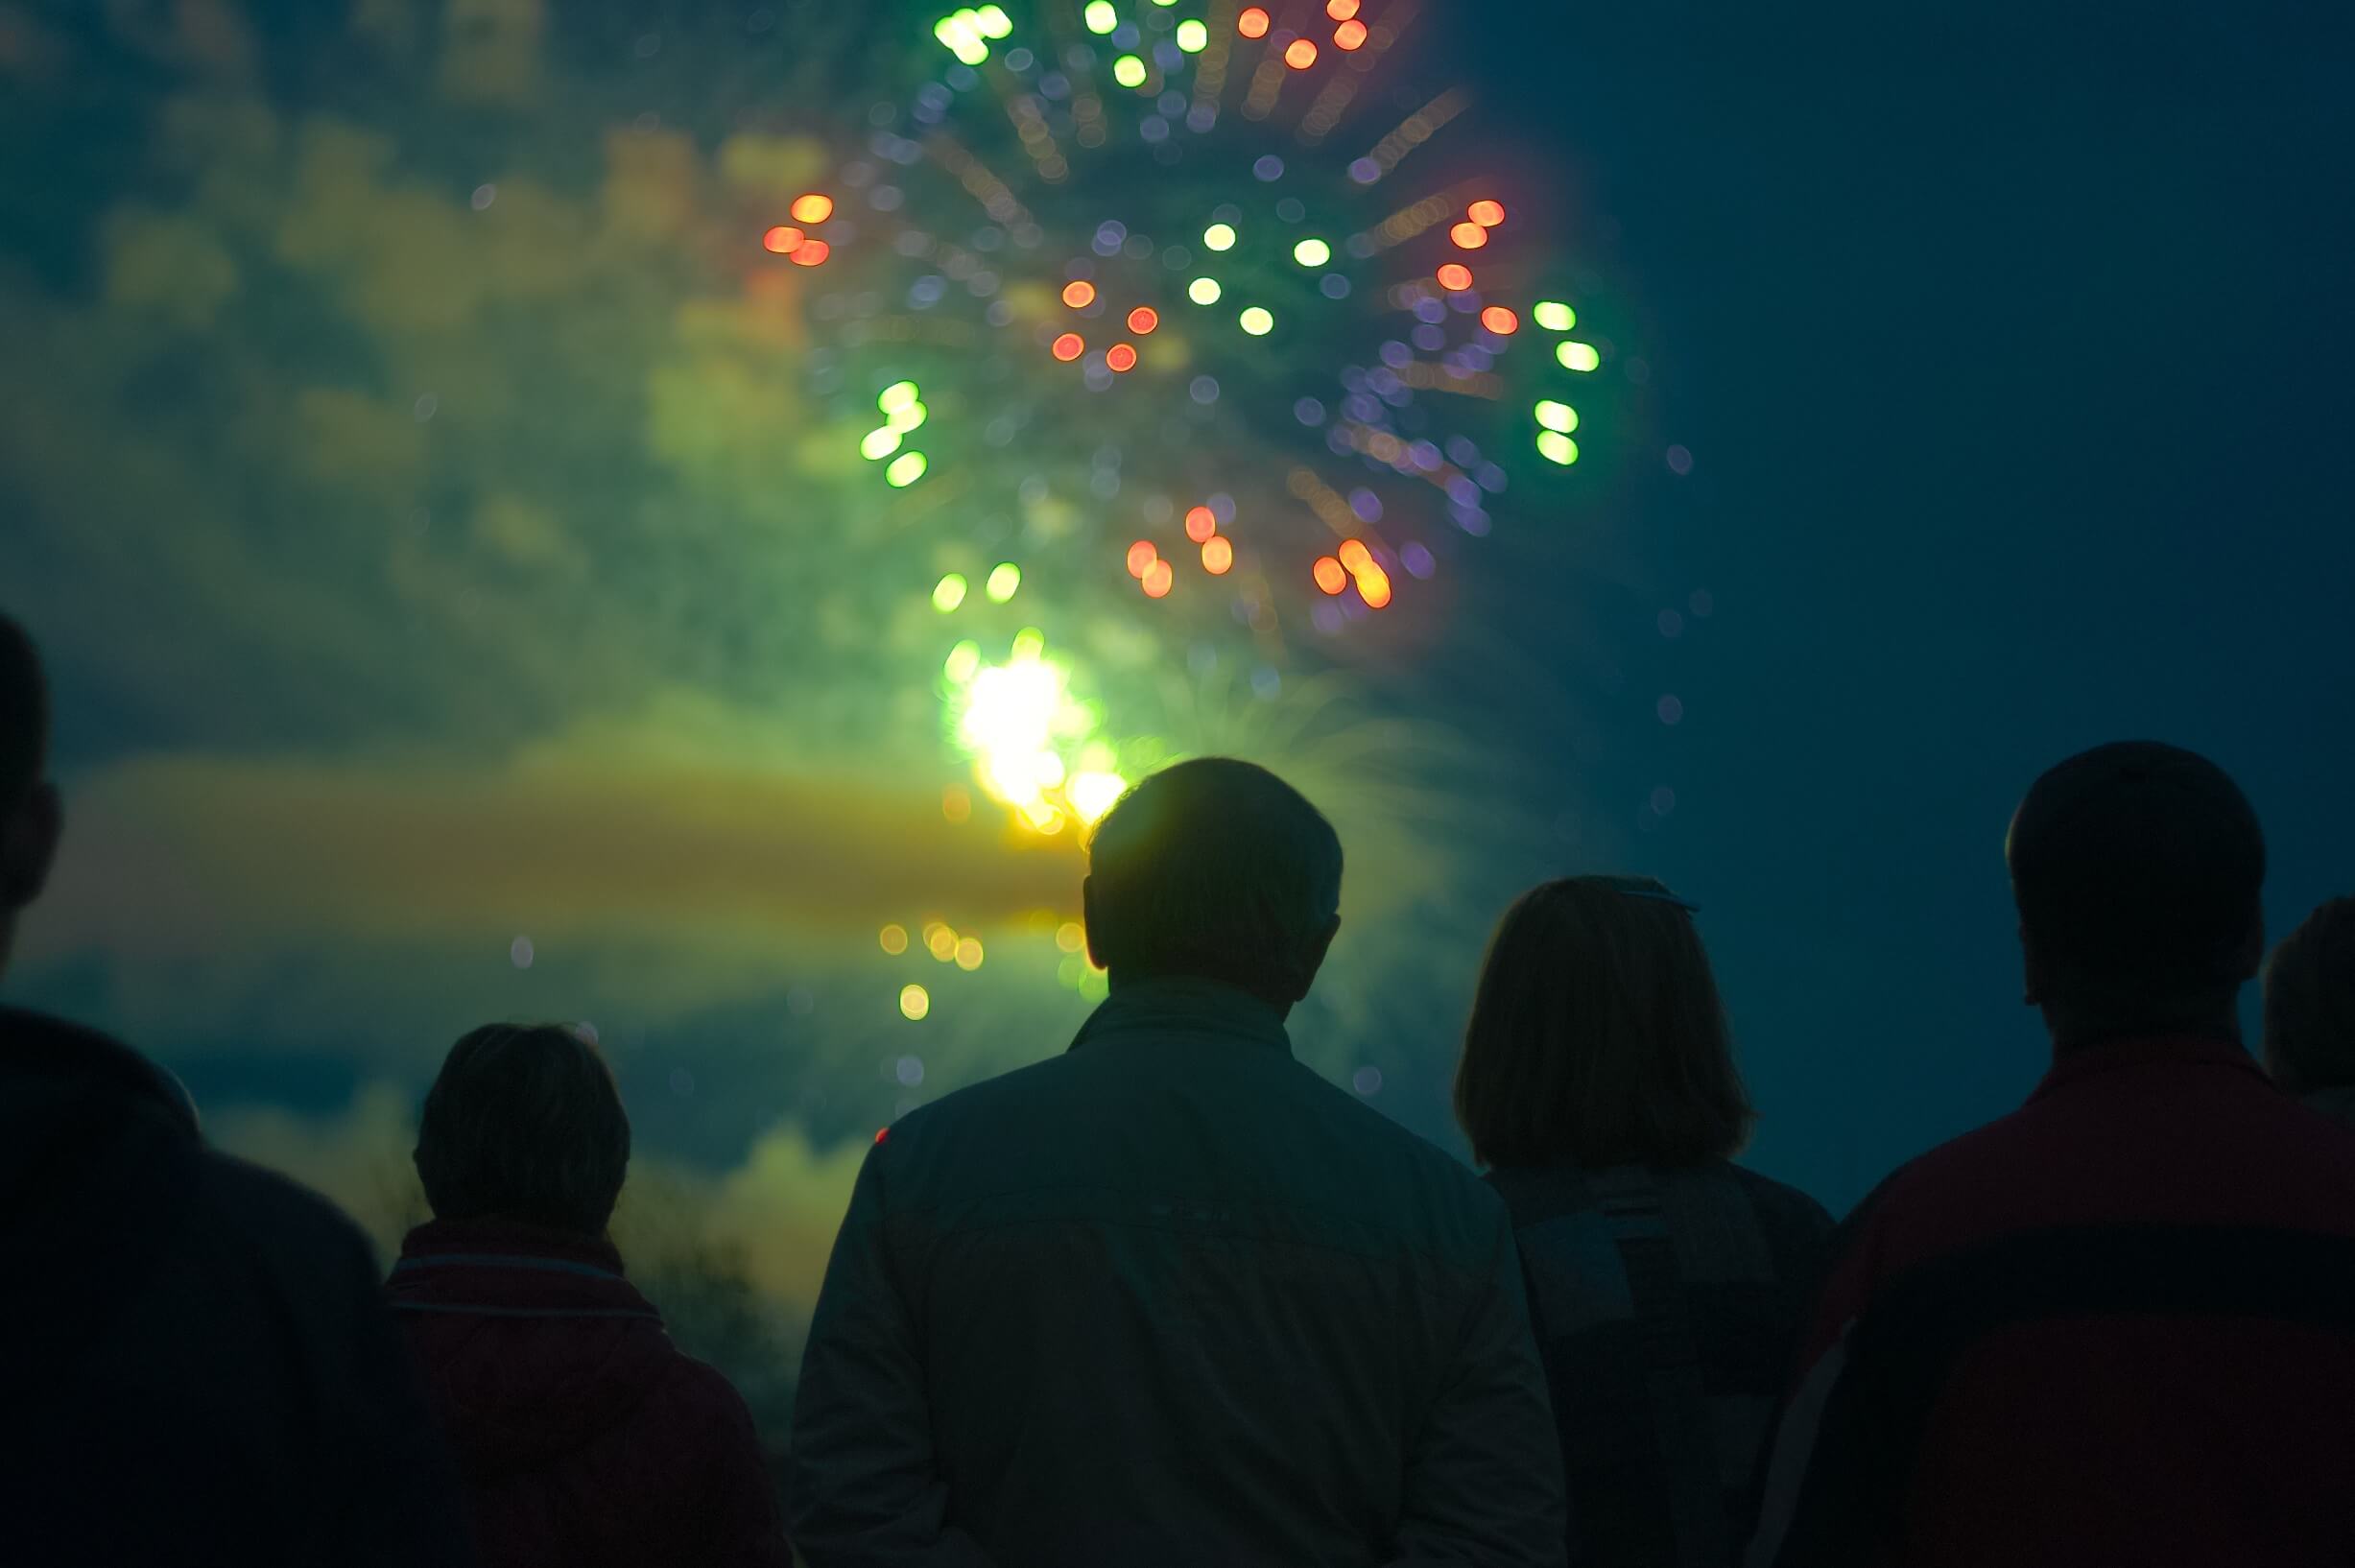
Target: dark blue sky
(2011,346)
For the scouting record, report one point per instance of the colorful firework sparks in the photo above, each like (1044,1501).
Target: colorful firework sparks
(1184,347)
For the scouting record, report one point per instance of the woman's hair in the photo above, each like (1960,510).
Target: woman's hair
(2309,1002)
(524,1123)
(1596,1037)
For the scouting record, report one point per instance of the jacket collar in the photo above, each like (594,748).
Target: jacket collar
(504,1268)
(35,1043)
(1183,1006)
(2137,1053)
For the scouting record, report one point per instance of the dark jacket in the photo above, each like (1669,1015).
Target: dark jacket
(583,1434)
(2114,1327)
(199,1370)
(1667,1305)
(1170,1298)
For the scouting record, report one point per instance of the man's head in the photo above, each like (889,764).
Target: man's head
(1214,869)
(2309,1002)
(524,1123)
(2137,867)
(30,813)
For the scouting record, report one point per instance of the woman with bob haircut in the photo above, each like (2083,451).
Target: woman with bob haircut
(1667,1284)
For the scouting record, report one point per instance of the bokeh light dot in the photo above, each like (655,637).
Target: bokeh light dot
(1204,291)
(1200,523)
(1500,321)
(1311,253)
(1468,237)
(1577,356)
(1121,357)
(1257,320)
(1330,575)
(1671,709)
(1218,237)
(1004,582)
(1455,277)
(1487,214)
(1217,555)
(1069,347)
(949,592)
(1553,315)
(812,208)
(895,939)
(1079,294)
(1300,54)
(1253,23)
(914,1003)
(1143,320)
(783,240)
(1141,557)
(812,253)
(1159,577)
(1350,36)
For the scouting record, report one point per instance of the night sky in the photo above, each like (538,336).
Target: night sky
(2008,350)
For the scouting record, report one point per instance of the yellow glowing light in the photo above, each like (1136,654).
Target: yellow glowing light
(914,1002)
(1071,935)
(905,470)
(1350,36)
(1253,22)
(1468,237)
(1553,315)
(969,954)
(1300,54)
(1141,557)
(1330,575)
(1257,320)
(1218,556)
(1558,447)
(1159,577)
(896,396)
(1079,294)
(909,417)
(1100,16)
(1193,36)
(1092,794)
(1354,555)
(1204,291)
(813,209)
(1218,237)
(1311,253)
(962,663)
(949,592)
(1487,214)
(992,22)
(1004,579)
(895,939)
(1129,71)
(877,444)
(1577,356)
(1029,646)
(1374,585)
(1555,415)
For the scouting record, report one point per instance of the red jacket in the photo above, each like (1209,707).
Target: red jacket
(2114,1327)
(582,1435)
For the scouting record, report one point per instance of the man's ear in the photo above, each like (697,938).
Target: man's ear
(1087,921)
(29,845)
(1312,958)
(2249,959)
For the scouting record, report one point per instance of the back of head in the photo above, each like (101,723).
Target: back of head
(524,1123)
(24,715)
(2137,867)
(2309,1002)
(29,811)
(1596,1037)
(1214,869)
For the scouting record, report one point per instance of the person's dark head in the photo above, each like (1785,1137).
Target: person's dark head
(524,1123)
(30,813)
(2136,868)
(1214,869)
(1597,1036)
(2309,1002)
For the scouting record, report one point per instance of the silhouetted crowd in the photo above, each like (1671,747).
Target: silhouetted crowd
(1169,1297)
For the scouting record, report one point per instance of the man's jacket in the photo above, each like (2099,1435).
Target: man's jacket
(1170,1298)
(2114,1327)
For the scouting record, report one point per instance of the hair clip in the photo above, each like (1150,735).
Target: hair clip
(1663,897)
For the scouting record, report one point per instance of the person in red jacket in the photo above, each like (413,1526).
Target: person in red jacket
(2116,1326)
(582,1435)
